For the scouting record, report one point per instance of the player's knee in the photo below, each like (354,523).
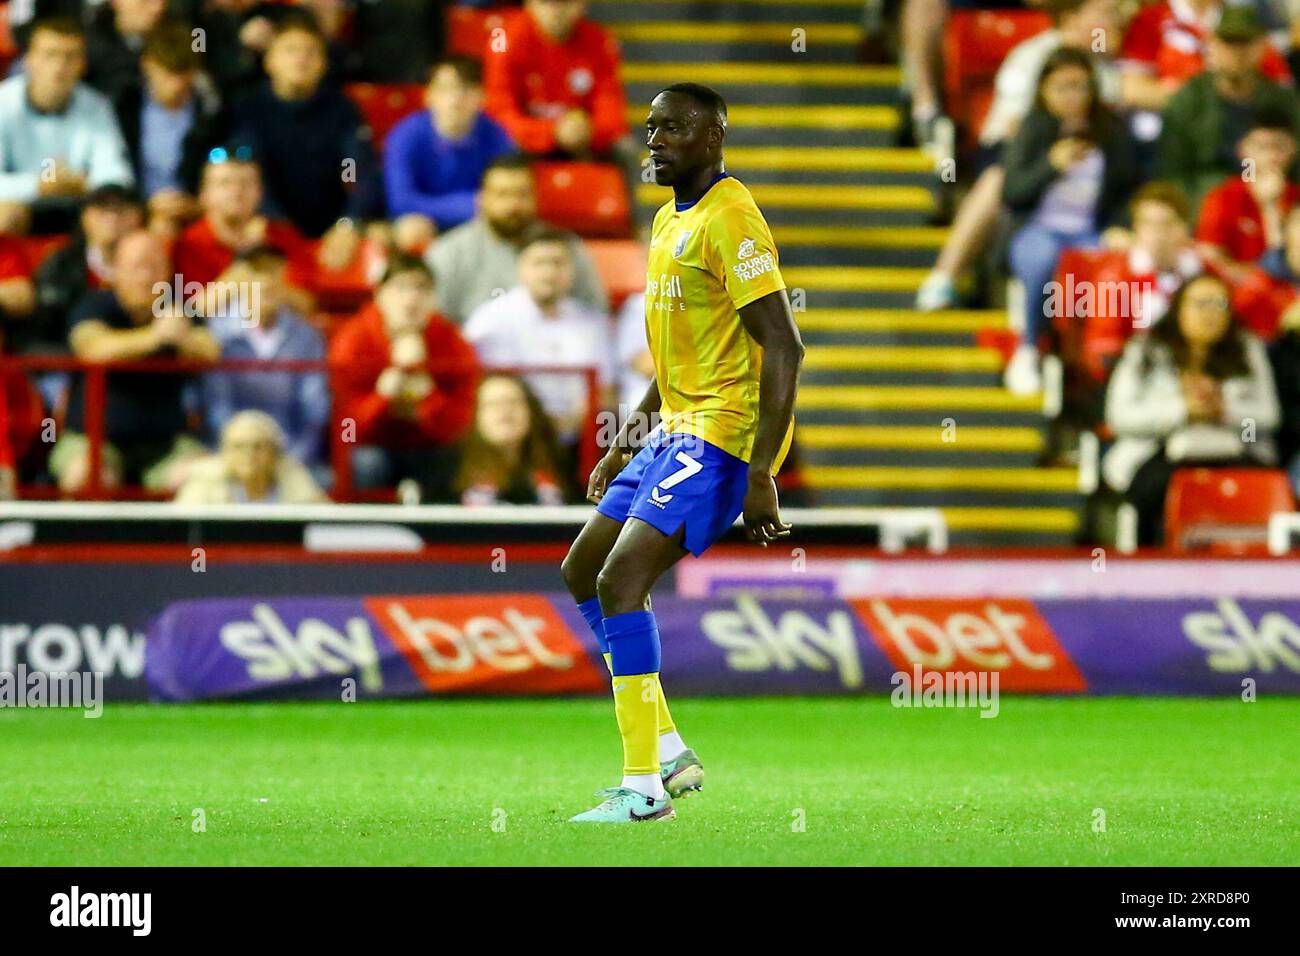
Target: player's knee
(579,577)
(617,590)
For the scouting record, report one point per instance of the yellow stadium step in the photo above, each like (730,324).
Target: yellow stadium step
(909,358)
(869,237)
(955,398)
(900,320)
(854,278)
(842,159)
(970,438)
(760,74)
(677,31)
(944,479)
(914,198)
(1042,520)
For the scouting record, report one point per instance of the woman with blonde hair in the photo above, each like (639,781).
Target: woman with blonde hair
(252,466)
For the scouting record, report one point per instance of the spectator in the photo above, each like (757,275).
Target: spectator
(636,364)
(509,456)
(21,416)
(58,137)
(1068,173)
(298,402)
(171,124)
(114,41)
(1076,23)
(254,465)
(1284,355)
(83,265)
(145,418)
(404,383)
(1126,287)
(17,294)
(1197,389)
(479,259)
(1166,43)
(553,81)
(237,34)
(1243,215)
(537,323)
(315,151)
(1266,299)
(1206,119)
(230,193)
(434,159)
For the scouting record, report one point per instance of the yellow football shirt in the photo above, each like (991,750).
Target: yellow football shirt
(707,262)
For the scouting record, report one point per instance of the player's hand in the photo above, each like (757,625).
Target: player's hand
(762,513)
(606,470)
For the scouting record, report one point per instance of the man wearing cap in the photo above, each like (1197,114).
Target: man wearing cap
(1210,115)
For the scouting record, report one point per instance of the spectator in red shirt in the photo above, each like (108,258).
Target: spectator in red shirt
(404,383)
(21,414)
(552,81)
(1243,215)
(17,295)
(1266,300)
(230,194)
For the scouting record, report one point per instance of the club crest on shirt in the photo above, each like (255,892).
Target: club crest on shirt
(681,244)
(746,249)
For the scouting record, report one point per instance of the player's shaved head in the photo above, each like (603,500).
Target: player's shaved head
(684,132)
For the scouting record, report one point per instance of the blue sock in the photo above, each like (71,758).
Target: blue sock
(596,621)
(633,640)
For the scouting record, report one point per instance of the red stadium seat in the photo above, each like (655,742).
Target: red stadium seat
(468,30)
(621,264)
(382,105)
(1224,509)
(589,198)
(974,46)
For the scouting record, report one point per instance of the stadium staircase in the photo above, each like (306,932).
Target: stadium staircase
(896,407)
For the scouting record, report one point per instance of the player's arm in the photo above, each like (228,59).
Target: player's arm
(769,321)
(634,430)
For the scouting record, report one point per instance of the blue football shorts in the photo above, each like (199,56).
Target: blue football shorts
(679,480)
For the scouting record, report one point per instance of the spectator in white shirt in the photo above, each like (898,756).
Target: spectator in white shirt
(636,366)
(539,323)
(59,139)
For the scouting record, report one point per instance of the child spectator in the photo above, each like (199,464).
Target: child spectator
(480,258)
(58,137)
(145,419)
(1243,215)
(537,323)
(434,159)
(510,455)
(1069,171)
(171,124)
(1197,389)
(404,381)
(553,81)
(315,150)
(254,465)
(1206,119)
(298,402)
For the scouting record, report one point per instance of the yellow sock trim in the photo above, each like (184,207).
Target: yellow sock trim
(665,718)
(636,705)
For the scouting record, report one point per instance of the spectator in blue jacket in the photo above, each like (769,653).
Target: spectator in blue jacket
(257,323)
(434,159)
(317,159)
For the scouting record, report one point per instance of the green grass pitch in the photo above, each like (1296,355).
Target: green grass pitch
(793,781)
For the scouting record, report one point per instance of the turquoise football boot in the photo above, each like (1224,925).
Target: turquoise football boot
(624,805)
(683,775)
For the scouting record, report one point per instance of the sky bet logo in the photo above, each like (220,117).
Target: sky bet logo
(133,910)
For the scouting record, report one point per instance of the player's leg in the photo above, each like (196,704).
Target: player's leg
(638,559)
(581,565)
